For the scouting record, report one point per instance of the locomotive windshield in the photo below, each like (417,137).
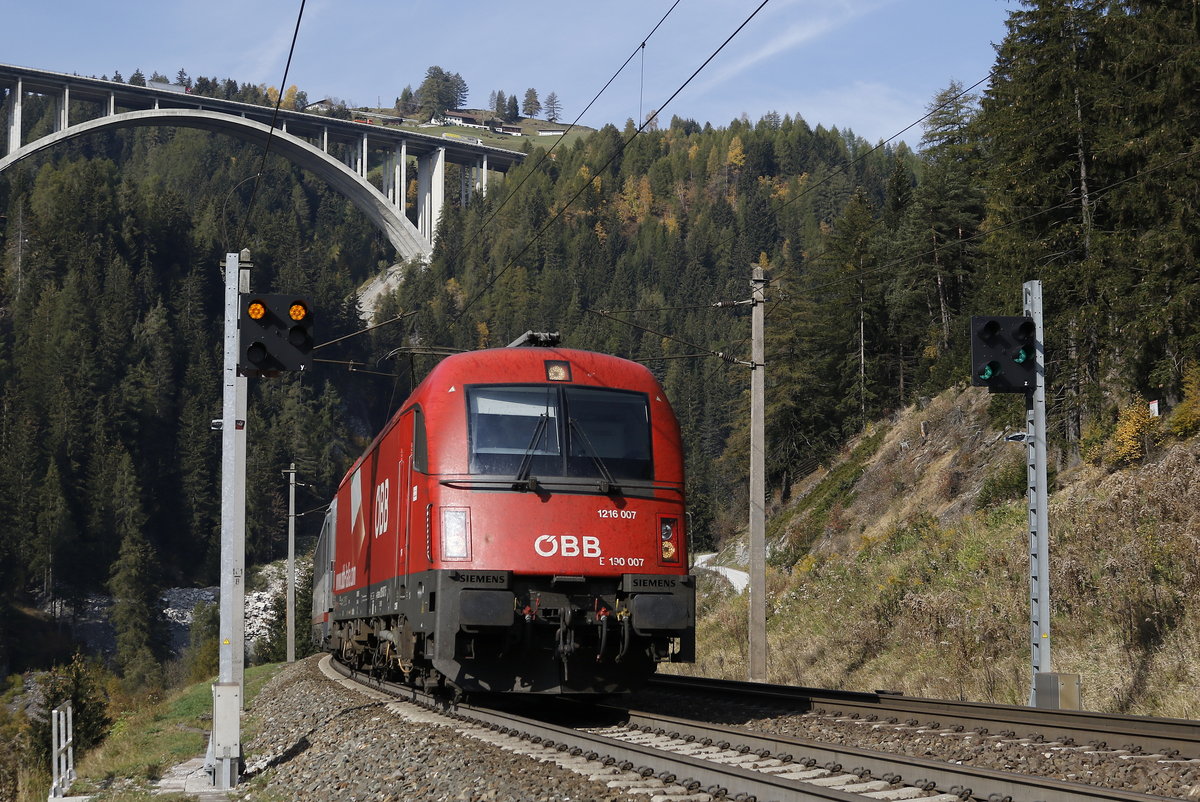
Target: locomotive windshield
(517,429)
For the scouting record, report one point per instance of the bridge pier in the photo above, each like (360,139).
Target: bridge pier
(473,179)
(395,176)
(62,107)
(431,192)
(13,106)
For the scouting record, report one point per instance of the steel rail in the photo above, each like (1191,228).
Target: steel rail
(964,780)
(1106,730)
(747,783)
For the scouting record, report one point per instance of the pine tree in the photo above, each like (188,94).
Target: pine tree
(1152,114)
(1042,117)
(439,92)
(552,107)
(531,106)
(853,314)
(404,103)
(133,583)
(935,241)
(55,530)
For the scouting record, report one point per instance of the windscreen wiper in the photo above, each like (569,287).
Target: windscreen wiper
(608,484)
(523,480)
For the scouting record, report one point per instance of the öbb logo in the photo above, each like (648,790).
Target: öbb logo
(567,546)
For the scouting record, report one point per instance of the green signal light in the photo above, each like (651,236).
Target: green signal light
(1023,355)
(989,371)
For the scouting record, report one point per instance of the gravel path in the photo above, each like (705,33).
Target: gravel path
(321,740)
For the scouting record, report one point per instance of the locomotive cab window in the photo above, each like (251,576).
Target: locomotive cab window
(523,428)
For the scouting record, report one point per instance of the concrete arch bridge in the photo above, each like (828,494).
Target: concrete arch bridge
(339,151)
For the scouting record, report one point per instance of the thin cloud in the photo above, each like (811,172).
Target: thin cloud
(822,18)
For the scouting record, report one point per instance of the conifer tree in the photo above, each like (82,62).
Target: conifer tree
(531,105)
(552,107)
(1042,116)
(133,583)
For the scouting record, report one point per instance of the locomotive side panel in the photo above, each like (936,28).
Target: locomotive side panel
(351,544)
(385,517)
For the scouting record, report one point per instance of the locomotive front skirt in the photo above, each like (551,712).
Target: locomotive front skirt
(519,526)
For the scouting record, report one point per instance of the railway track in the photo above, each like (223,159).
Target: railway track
(677,759)
(1135,735)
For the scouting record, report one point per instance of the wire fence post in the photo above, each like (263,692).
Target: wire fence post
(62,749)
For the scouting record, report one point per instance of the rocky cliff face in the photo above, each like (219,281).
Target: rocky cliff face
(92,628)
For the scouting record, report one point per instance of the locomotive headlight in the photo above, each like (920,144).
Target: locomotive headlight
(667,529)
(557,370)
(456,534)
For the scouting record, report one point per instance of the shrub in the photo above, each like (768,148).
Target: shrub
(1007,482)
(1093,445)
(1185,421)
(82,683)
(1133,436)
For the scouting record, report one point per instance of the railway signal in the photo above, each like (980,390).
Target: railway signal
(276,334)
(1004,356)
(1007,356)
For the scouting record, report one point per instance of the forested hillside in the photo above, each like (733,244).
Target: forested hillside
(1076,165)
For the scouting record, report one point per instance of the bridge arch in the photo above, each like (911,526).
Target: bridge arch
(403,235)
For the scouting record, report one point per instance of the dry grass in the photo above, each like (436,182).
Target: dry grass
(911,589)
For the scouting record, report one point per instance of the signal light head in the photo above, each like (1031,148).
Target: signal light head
(276,334)
(1004,353)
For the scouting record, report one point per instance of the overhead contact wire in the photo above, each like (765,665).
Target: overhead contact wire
(546,154)
(271,133)
(605,166)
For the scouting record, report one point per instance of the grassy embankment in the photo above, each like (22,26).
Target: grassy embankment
(904,566)
(143,744)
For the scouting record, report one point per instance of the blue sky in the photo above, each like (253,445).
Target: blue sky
(870,65)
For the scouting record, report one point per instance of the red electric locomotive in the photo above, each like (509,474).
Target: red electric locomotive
(517,527)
